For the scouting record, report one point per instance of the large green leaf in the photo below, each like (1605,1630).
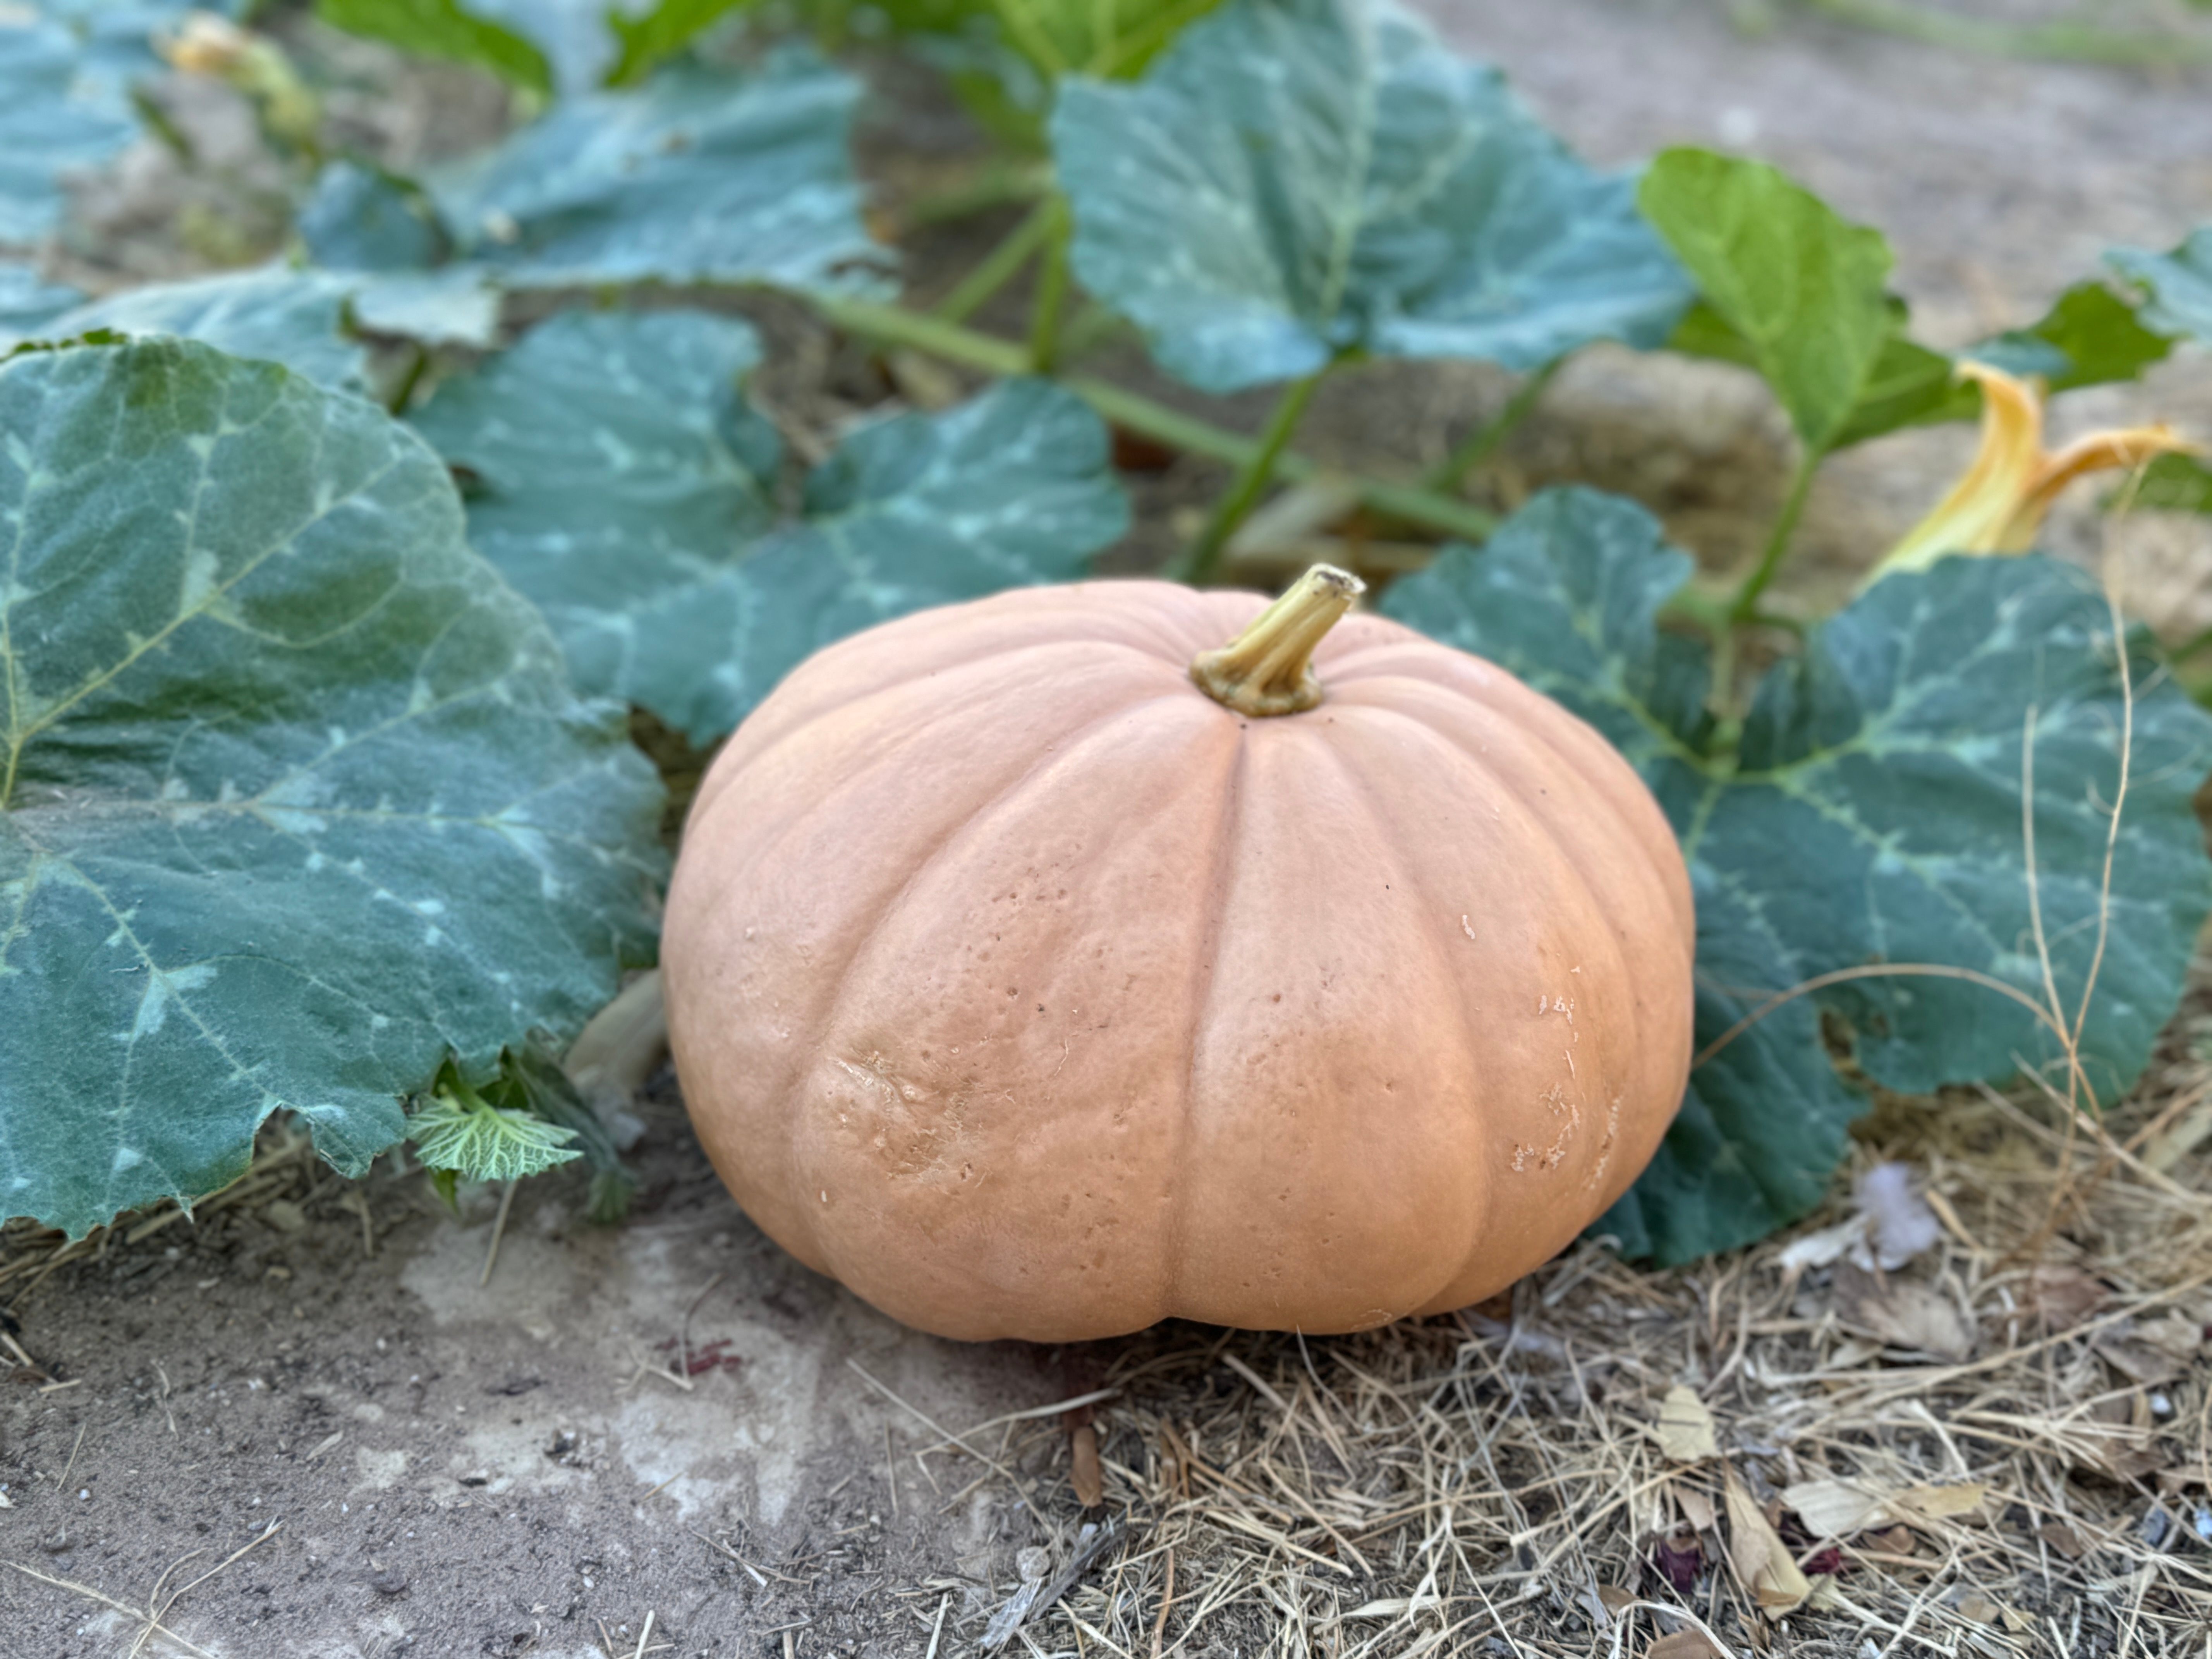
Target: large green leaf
(28,303)
(2089,336)
(2179,284)
(1803,288)
(276,313)
(444,29)
(2171,483)
(59,114)
(699,177)
(1297,178)
(1872,815)
(384,230)
(293,796)
(661,32)
(619,478)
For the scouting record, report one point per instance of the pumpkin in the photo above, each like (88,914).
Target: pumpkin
(1038,969)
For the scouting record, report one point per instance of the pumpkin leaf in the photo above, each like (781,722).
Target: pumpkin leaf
(1871,814)
(275,315)
(1296,180)
(385,232)
(1803,290)
(2177,286)
(59,114)
(652,37)
(458,1129)
(2090,336)
(28,303)
(2171,483)
(699,177)
(446,30)
(295,800)
(619,479)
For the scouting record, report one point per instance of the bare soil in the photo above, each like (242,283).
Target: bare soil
(515,1466)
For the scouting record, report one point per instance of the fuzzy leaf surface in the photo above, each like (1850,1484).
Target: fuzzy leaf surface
(699,177)
(1294,179)
(295,800)
(274,314)
(618,476)
(1872,815)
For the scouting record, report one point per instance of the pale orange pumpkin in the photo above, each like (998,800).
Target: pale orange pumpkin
(1039,972)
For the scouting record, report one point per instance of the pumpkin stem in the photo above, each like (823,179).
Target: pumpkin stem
(1269,668)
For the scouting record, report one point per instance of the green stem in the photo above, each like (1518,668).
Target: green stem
(997,267)
(1746,604)
(1199,565)
(1051,289)
(1479,445)
(403,393)
(2064,42)
(1133,412)
(994,187)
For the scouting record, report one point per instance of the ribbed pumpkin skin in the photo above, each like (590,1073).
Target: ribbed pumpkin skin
(1031,993)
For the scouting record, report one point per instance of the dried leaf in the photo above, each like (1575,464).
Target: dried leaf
(1616,1599)
(2141,1362)
(2064,1539)
(1938,1503)
(1683,1644)
(1685,1427)
(1823,1249)
(1696,1508)
(1761,1559)
(1679,1559)
(1083,1472)
(2062,1296)
(1904,1313)
(1832,1508)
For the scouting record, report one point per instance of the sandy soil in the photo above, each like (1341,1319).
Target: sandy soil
(461,1469)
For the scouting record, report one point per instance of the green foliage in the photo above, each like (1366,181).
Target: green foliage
(456,1129)
(2179,284)
(699,177)
(275,315)
(28,303)
(59,114)
(2172,484)
(620,480)
(1870,815)
(1804,290)
(651,38)
(1298,179)
(2089,336)
(295,800)
(446,29)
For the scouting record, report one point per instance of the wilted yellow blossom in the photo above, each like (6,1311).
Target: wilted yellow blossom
(1998,506)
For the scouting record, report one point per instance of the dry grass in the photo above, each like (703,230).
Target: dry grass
(1494,1483)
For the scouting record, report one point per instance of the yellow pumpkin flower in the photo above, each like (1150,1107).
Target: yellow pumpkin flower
(1998,506)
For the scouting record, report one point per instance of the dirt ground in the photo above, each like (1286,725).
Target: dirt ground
(457,1467)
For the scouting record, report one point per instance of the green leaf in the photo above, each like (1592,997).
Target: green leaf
(652,37)
(59,115)
(274,314)
(457,1129)
(1803,288)
(531,1079)
(2090,336)
(444,29)
(699,177)
(28,303)
(2179,284)
(1872,815)
(619,479)
(294,799)
(1296,180)
(384,231)
(2171,483)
